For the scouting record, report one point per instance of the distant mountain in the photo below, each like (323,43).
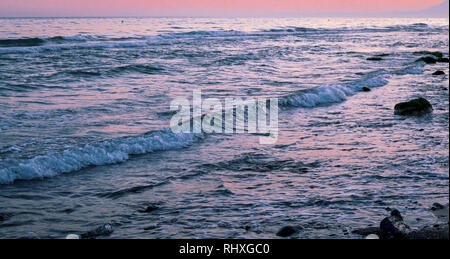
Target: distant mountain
(437,11)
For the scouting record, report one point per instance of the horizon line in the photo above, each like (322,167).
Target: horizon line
(226,17)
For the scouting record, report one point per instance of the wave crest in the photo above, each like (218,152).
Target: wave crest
(108,152)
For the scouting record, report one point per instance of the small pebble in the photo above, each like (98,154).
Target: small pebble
(72,236)
(372,236)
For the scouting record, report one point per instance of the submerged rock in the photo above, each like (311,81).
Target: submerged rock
(104,230)
(428,60)
(149,209)
(442,60)
(432,53)
(366,89)
(286,231)
(4,216)
(414,107)
(438,73)
(393,227)
(374,58)
(432,57)
(437,206)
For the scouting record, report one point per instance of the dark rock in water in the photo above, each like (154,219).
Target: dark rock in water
(393,227)
(104,230)
(4,216)
(149,209)
(287,203)
(366,89)
(436,54)
(437,206)
(374,59)
(432,53)
(432,57)
(428,60)
(24,42)
(367,231)
(286,231)
(247,228)
(414,107)
(438,73)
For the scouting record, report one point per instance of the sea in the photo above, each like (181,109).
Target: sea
(85,135)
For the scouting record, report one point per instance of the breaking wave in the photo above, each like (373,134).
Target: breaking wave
(28,45)
(107,152)
(329,94)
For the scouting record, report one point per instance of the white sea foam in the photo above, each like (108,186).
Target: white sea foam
(104,153)
(411,70)
(328,94)
(93,41)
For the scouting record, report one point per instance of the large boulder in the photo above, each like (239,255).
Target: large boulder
(393,227)
(414,107)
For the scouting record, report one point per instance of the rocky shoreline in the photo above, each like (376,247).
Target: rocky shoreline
(394,227)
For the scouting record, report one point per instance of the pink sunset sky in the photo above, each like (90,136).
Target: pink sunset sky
(203,7)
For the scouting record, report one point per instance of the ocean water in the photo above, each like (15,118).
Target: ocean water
(84,118)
